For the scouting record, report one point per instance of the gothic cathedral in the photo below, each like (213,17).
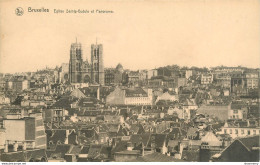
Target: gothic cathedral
(81,71)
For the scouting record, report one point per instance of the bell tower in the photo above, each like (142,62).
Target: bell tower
(97,66)
(75,64)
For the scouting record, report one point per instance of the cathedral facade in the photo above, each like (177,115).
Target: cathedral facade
(82,71)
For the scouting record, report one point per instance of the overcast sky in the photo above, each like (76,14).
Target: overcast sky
(139,34)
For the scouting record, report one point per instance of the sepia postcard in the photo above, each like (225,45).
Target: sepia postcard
(129,81)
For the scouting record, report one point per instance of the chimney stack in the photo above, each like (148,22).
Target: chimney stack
(129,146)
(98,93)
(6,146)
(15,146)
(67,137)
(24,146)
(33,144)
(22,113)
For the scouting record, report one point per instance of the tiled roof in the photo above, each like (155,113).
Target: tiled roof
(85,150)
(251,141)
(190,155)
(121,146)
(88,102)
(211,139)
(138,139)
(20,156)
(176,133)
(64,102)
(89,133)
(94,151)
(192,131)
(62,149)
(135,92)
(156,157)
(75,150)
(56,136)
(158,139)
(126,152)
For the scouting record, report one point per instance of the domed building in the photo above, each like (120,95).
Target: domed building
(113,76)
(120,68)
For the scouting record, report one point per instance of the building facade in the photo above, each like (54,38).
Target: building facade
(81,71)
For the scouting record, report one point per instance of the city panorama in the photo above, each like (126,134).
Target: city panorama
(83,111)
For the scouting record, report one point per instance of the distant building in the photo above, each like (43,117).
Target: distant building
(17,83)
(238,83)
(64,73)
(151,73)
(240,129)
(130,96)
(224,80)
(189,73)
(252,79)
(224,69)
(114,76)
(55,115)
(206,79)
(161,81)
(181,82)
(238,110)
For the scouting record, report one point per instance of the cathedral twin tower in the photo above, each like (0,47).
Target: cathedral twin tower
(81,71)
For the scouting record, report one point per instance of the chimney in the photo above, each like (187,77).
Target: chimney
(97,129)
(142,150)
(129,146)
(6,146)
(15,146)
(98,93)
(22,113)
(24,146)
(67,137)
(248,123)
(33,144)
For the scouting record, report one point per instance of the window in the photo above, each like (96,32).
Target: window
(242,132)
(225,131)
(236,131)
(248,132)
(230,131)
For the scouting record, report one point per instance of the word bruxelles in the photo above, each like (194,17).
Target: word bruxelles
(38,10)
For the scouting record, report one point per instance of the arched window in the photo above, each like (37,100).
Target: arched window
(66,76)
(78,78)
(86,79)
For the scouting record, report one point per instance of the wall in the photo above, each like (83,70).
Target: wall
(15,130)
(116,97)
(2,139)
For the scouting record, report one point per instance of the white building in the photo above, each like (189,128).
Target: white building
(239,131)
